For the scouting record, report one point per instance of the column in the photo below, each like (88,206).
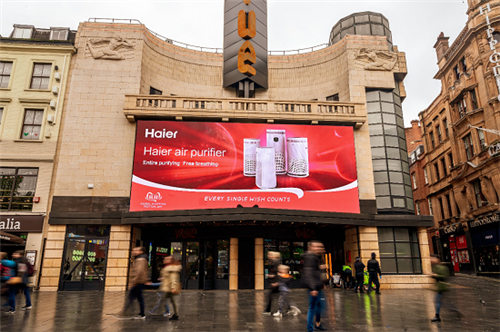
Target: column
(351,245)
(118,254)
(259,263)
(51,265)
(233,263)
(423,244)
(368,243)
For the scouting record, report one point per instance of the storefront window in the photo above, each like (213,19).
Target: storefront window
(399,250)
(17,188)
(291,255)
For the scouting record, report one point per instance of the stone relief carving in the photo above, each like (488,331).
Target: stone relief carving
(462,203)
(109,49)
(488,190)
(376,59)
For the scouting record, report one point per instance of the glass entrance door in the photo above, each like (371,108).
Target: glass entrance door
(84,263)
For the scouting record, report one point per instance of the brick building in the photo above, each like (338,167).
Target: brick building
(461,138)
(134,93)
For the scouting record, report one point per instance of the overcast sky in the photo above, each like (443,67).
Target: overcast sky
(292,24)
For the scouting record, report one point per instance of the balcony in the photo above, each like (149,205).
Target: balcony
(227,109)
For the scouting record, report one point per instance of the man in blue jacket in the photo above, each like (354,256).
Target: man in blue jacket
(6,275)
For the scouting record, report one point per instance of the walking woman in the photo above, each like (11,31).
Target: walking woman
(171,283)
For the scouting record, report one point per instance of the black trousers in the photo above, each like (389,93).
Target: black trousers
(270,293)
(360,278)
(135,292)
(373,277)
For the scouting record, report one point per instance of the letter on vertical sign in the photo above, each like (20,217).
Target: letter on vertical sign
(246,24)
(246,58)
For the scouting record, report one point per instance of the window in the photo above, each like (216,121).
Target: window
(448,205)
(429,201)
(450,159)
(473,99)
(334,97)
(445,126)
(436,170)
(59,34)
(5,71)
(41,76)
(438,132)
(443,166)
(22,32)
(461,107)
(480,199)
(414,180)
(431,136)
(32,124)
(417,206)
(440,201)
(153,91)
(399,250)
(456,72)
(469,148)
(17,188)
(482,139)
(463,65)
(426,178)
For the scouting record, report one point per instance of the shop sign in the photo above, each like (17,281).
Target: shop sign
(213,165)
(494,149)
(495,56)
(490,219)
(461,242)
(25,224)
(453,228)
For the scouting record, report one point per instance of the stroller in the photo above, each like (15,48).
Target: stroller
(335,281)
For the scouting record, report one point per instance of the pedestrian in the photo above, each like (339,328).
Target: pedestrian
(272,277)
(24,271)
(347,276)
(374,272)
(440,273)
(314,283)
(138,279)
(359,269)
(8,271)
(171,284)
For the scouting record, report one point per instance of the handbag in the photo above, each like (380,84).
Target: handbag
(14,281)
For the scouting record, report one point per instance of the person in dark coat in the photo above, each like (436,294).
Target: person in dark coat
(359,269)
(374,272)
(312,280)
(138,280)
(272,277)
(23,268)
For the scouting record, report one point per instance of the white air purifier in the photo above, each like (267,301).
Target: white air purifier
(298,157)
(266,168)
(249,158)
(277,138)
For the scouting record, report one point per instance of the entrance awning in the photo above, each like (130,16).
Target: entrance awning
(11,238)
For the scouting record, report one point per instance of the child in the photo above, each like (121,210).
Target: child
(284,279)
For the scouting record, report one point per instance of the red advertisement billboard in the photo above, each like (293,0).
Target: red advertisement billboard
(208,165)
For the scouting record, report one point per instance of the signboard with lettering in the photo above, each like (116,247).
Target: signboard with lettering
(245,42)
(485,220)
(21,223)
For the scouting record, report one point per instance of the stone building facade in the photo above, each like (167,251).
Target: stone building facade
(461,130)
(123,74)
(34,67)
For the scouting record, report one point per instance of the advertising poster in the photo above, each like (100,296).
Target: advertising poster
(208,165)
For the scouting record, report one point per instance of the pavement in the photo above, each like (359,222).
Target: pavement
(239,311)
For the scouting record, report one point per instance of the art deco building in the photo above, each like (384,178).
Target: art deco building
(220,156)
(34,67)
(461,131)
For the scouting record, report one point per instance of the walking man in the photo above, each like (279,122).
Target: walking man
(138,278)
(312,280)
(374,271)
(272,277)
(440,273)
(24,271)
(359,269)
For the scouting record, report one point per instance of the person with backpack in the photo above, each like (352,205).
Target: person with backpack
(8,270)
(24,270)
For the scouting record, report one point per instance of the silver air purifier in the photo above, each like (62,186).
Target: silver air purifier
(276,138)
(298,157)
(249,158)
(266,168)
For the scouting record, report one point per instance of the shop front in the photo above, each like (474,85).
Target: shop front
(455,248)
(21,226)
(485,234)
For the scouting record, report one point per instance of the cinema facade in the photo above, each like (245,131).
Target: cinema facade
(220,156)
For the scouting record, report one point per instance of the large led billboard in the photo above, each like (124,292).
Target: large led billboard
(207,165)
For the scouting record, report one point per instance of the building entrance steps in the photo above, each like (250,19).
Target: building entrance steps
(222,310)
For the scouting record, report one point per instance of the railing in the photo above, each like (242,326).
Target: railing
(154,106)
(216,50)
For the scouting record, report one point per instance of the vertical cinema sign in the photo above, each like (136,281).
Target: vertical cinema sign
(245,43)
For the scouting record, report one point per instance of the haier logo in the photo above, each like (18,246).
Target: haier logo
(152,133)
(153,197)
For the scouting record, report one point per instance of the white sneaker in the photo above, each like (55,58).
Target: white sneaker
(295,311)
(278,314)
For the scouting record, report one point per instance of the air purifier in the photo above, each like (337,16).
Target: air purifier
(298,157)
(265,177)
(276,138)
(249,158)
